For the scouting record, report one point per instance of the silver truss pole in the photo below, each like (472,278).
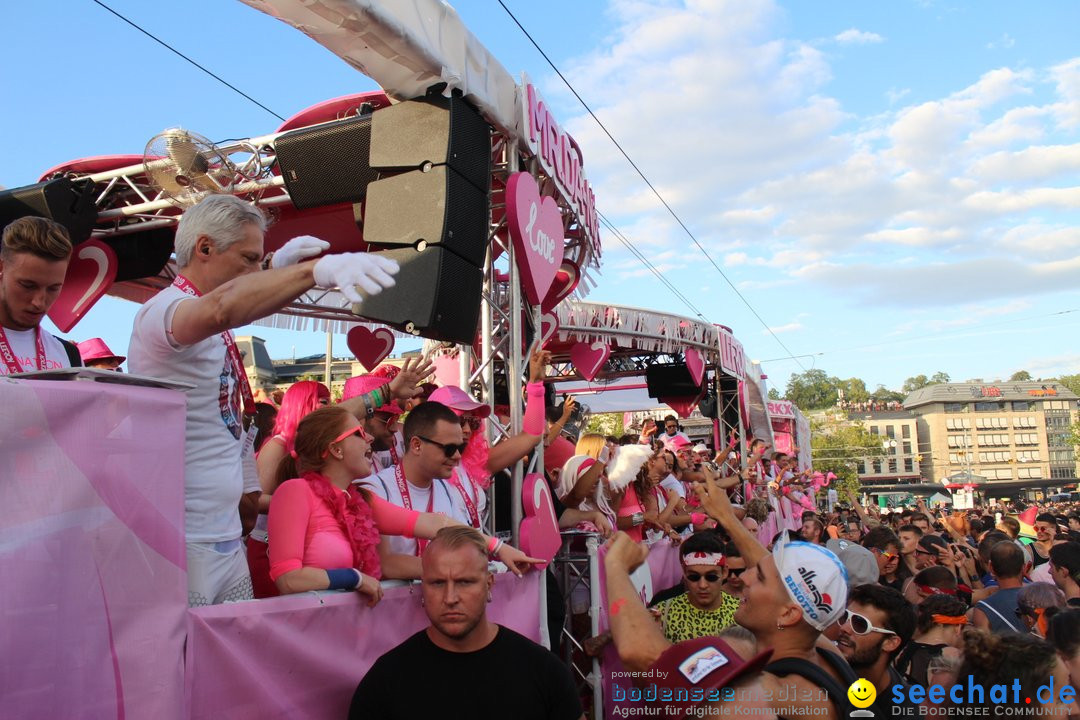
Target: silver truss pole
(513,367)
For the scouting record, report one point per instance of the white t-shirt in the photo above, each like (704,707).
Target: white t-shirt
(447,501)
(213,474)
(25,349)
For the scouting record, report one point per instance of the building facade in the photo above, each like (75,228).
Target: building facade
(1014,432)
(898,434)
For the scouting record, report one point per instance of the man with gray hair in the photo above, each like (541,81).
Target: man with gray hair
(184,333)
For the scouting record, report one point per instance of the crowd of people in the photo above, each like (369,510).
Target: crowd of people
(392,483)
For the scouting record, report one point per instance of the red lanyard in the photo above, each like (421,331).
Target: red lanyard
(469,504)
(406,500)
(12,362)
(230,349)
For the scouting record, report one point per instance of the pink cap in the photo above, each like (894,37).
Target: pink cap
(362,384)
(677,443)
(96,349)
(459,401)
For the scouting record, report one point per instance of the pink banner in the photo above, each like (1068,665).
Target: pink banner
(94,593)
(664,570)
(301,656)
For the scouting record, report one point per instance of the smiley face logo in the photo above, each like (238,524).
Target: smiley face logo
(862,693)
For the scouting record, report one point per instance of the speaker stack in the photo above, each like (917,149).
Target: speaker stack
(422,169)
(63,201)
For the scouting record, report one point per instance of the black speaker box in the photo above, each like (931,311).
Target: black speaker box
(670,380)
(434,207)
(142,254)
(62,200)
(436,130)
(437,295)
(327,164)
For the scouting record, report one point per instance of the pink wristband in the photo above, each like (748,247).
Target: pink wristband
(698,518)
(533,422)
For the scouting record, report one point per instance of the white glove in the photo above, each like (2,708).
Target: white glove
(297,249)
(348,271)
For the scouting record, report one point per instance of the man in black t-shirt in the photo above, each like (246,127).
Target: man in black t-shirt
(463,665)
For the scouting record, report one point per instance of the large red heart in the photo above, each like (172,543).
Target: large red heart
(536,229)
(566,281)
(370,347)
(695,364)
(539,528)
(549,325)
(589,358)
(90,274)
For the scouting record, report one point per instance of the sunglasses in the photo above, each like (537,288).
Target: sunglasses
(884,554)
(358,431)
(860,624)
(449,449)
(472,421)
(696,577)
(735,572)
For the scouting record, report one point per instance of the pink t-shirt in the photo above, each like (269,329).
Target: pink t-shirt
(304,532)
(630,505)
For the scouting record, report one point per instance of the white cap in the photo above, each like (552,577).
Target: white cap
(815,579)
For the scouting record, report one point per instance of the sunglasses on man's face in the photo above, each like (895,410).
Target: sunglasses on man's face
(736,572)
(449,449)
(860,624)
(472,421)
(696,577)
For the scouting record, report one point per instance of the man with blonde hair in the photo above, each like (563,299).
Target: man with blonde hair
(470,666)
(33,262)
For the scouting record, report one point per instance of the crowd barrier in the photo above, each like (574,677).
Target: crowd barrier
(94,590)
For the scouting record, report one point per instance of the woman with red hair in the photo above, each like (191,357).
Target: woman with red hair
(325,530)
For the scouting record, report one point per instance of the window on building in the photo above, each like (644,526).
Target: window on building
(909,466)
(874,430)
(954,459)
(989,406)
(905,431)
(1026,473)
(1057,471)
(1062,456)
(954,407)
(1022,405)
(890,431)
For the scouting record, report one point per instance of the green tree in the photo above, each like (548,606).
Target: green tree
(915,383)
(841,449)
(774,394)
(1020,376)
(605,424)
(854,390)
(1071,381)
(939,378)
(883,394)
(812,390)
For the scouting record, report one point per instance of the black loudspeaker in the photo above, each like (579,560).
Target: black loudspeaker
(142,254)
(670,380)
(437,206)
(437,295)
(327,164)
(62,200)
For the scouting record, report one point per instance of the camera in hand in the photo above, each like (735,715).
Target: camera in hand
(575,424)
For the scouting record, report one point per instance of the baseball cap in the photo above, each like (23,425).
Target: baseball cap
(459,401)
(702,664)
(860,563)
(930,543)
(815,579)
(676,443)
(362,384)
(701,448)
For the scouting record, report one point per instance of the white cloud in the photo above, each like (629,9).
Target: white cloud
(853,36)
(1005,42)
(894,95)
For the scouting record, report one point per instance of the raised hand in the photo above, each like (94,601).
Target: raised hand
(406,384)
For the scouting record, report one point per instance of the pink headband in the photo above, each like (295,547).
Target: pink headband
(703,558)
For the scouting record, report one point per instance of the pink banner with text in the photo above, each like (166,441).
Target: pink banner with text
(94,590)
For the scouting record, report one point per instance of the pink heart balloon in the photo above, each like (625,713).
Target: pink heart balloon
(370,347)
(549,325)
(536,229)
(589,358)
(539,529)
(695,364)
(566,281)
(90,274)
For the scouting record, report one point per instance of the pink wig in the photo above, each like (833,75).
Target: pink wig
(299,400)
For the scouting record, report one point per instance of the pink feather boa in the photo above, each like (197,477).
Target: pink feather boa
(356,520)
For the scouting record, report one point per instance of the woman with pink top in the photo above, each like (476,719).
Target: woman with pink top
(324,530)
(480,461)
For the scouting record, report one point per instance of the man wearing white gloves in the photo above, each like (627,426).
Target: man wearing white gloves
(184,333)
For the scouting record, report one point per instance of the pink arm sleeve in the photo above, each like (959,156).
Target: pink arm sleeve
(392,519)
(533,422)
(290,508)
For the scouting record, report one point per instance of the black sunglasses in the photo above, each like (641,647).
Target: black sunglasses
(450,449)
(695,577)
(736,572)
(472,421)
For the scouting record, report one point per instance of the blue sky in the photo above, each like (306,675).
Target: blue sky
(892,186)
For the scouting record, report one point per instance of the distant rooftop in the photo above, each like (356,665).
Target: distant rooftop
(987,392)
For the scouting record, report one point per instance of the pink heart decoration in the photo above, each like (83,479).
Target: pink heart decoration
(447,370)
(90,274)
(695,364)
(370,347)
(549,325)
(566,281)
(683,406)
(539,528)
(536,229)
(589,358)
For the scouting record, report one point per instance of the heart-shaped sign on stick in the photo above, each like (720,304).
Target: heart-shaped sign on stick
(370,347)
(695,364)
(566,281)
(536,229)
(589,358)
(549,325)
(539,529)
(90,274)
